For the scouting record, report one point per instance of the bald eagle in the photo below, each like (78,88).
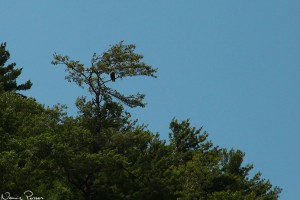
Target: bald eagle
(112,76)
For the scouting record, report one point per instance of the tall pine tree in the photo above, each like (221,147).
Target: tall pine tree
(8,74)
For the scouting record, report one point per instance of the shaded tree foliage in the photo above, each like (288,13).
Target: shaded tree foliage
(62,157)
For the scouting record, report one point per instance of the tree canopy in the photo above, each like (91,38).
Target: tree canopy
(8,74)
(103,154)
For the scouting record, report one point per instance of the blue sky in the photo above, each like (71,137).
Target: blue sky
(232,67)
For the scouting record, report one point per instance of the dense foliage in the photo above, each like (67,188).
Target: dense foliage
(102,154)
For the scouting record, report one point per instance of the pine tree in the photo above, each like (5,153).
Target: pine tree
(9,74)
(119,62)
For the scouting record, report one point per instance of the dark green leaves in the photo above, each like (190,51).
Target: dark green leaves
(8,74)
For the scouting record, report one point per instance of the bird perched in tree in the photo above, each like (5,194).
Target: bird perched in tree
(113,76)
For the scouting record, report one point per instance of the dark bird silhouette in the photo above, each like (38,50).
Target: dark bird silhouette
(113,76)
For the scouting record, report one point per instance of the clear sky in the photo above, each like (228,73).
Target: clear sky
(232,67)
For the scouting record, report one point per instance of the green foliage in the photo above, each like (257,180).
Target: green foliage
(119,59)
(8,74)
(27,131)
(53,155)
(62,157)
